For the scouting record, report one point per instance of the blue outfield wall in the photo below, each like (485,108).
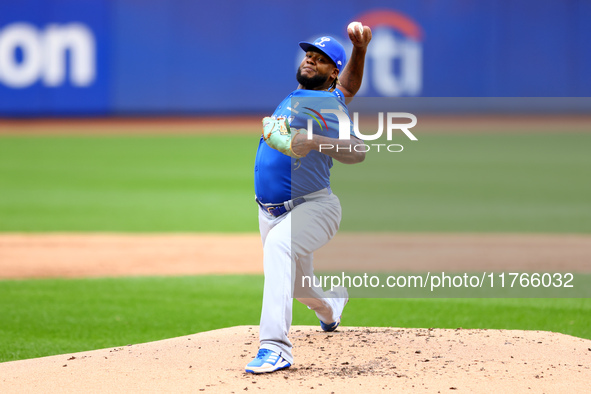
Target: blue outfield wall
(130,57)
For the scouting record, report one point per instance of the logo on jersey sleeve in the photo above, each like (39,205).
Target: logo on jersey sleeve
(316,117)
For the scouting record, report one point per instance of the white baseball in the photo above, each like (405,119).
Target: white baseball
(353,26)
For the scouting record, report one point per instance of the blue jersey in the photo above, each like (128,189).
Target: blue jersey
(278,177)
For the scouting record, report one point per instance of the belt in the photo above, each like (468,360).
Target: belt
(279,209)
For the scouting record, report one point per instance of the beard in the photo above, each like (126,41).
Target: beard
(311,83)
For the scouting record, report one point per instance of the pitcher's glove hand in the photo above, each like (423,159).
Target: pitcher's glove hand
(278,135)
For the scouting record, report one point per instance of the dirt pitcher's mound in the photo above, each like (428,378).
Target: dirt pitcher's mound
(353,359)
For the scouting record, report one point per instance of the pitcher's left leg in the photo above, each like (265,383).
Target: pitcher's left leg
(312,227)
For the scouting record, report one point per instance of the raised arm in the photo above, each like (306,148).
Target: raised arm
(352,75)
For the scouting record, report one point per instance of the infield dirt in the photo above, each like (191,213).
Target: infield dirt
(108,255)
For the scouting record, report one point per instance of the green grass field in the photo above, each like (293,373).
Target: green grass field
(44,317)
(472,183)
(442,183)
(135,184)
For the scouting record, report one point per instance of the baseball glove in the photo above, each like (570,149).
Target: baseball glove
(278,135)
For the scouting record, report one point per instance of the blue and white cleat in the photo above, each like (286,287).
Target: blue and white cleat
(267,361)
(330,327)
(341,302)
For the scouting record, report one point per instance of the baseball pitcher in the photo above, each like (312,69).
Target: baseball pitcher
(298,213)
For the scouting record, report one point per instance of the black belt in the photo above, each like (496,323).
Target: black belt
(279,209)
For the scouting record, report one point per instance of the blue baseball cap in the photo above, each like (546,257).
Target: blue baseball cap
(330,47)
